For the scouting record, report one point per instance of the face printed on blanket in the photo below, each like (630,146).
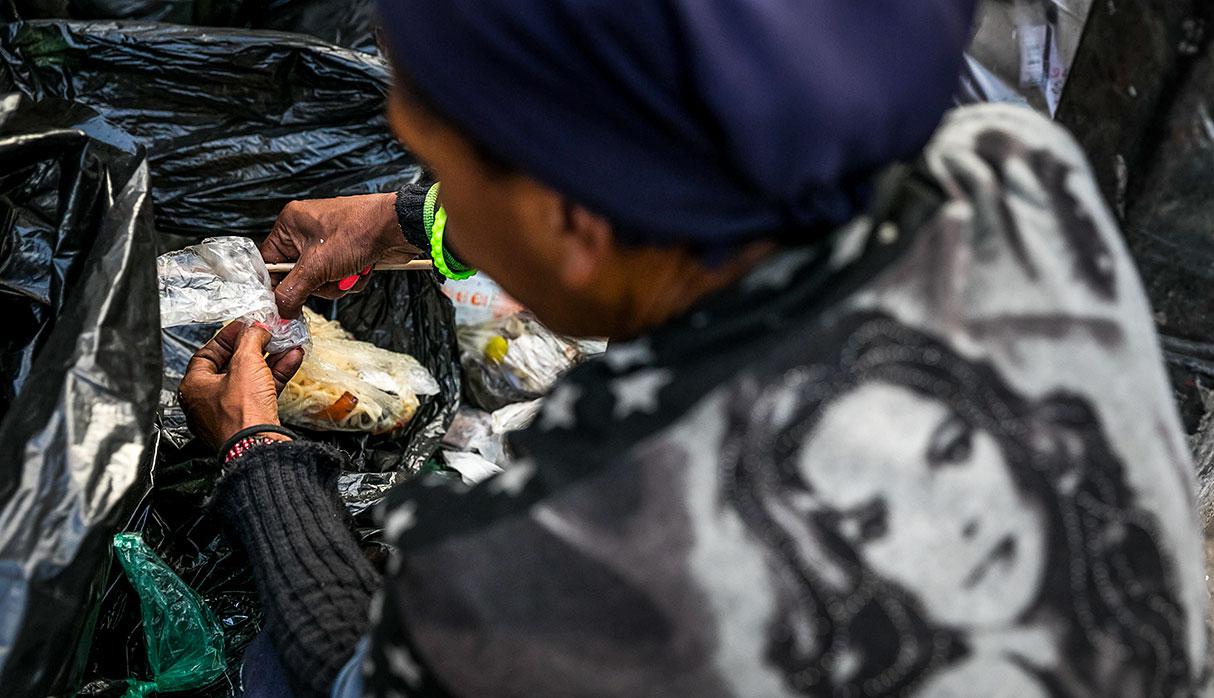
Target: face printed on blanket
(932,530)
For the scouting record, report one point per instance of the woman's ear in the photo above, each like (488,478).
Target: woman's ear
(587,244)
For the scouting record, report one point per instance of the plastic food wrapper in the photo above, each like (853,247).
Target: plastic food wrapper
(479,299)
(219,280)
(512,359)
(184,638)
(347,385)
(1022,51)
(79,363)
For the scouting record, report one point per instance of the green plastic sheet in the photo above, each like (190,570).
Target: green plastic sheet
(185,640)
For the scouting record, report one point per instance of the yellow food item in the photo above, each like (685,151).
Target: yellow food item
(496,348)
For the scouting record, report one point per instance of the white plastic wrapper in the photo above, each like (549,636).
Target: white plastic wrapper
(347,385)
(1022,51)
(220,280)
(472,468)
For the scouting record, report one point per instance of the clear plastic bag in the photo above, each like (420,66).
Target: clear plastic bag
(512,359)
(219,280)
(347,385)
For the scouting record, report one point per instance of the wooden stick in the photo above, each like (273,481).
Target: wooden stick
(414,265)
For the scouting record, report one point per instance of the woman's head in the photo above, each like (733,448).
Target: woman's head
(646,133)
(563,261)
(899,483)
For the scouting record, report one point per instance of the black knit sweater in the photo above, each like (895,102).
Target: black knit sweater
(280,502)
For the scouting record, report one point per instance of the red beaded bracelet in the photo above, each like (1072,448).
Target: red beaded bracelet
(242,446)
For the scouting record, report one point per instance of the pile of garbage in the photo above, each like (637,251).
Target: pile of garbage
(123,141)
(128,132)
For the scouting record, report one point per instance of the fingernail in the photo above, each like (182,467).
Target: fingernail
(365,272)
(348,283)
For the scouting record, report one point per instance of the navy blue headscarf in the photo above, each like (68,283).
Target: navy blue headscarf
(709,122)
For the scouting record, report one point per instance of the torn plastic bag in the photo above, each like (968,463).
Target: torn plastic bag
(236,123)
(219,280)
(1022,51)
(512,359)
(476,431)
(80,367)
(184,639)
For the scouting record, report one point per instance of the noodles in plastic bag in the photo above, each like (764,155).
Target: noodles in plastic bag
(347,385)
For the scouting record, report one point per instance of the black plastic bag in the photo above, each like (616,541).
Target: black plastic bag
(81,369)
(206,12)
(351,24)
(236,123)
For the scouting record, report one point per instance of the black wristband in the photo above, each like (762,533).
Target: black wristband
(410,204)
(253,431)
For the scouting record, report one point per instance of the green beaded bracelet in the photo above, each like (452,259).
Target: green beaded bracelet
(436,224)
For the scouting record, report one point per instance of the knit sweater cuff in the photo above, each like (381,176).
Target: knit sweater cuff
(410,213)
(280,502)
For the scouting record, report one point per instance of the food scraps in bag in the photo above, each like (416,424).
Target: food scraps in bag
(347,385)
(512,359)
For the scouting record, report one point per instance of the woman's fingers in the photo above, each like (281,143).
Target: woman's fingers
(215,355)
(292,292)
(251,344)
(283,366)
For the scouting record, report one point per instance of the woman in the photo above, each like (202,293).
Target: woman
(710,183)
(998,498)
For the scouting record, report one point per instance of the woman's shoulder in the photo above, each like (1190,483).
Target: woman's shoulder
(999,131)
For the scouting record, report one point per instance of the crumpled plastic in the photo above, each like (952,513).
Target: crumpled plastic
(80,372)
(512,359)
(349,23)
(220,280)
(184,638)
(237,123)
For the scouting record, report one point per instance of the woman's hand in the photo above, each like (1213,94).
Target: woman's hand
(229,385)
(334,243)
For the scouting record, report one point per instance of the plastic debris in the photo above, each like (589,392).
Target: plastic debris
(512,359)
(184,638)
(220,280)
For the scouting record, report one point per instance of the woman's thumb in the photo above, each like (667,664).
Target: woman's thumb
(251,344)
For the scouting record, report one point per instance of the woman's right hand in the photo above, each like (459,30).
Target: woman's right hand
(334,243)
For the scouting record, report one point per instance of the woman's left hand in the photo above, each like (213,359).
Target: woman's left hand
(231,385)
